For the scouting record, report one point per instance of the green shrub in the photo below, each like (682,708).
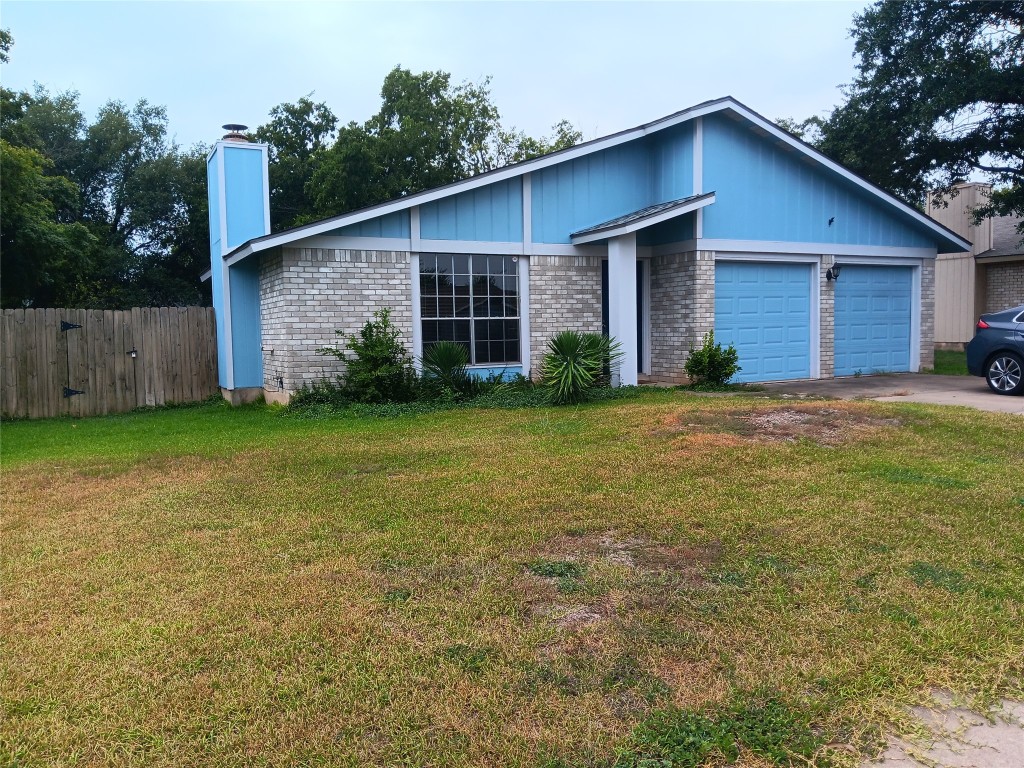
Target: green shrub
(380,369)
(711,364)
(323,393)
(577,362)
(445,373)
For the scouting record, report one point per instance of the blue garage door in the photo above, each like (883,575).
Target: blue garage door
(765,311)
(873,319)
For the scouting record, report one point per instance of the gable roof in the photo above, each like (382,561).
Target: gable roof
(726,103)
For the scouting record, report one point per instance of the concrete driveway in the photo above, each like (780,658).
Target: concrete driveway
(971,391)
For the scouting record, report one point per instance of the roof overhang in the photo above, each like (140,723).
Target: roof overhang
(641,219)
(726,104)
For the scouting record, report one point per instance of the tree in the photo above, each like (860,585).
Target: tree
(298,134)
(427,133)
(29,200)
(939,97)
(139,198)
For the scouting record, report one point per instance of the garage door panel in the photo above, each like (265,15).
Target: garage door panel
(872,319)
(764,311)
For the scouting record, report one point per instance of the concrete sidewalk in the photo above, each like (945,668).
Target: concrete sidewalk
(970,391)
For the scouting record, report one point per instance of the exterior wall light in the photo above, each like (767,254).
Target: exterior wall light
(833,272)
(133,353)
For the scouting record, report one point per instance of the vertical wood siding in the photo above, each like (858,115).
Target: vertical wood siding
(176,360)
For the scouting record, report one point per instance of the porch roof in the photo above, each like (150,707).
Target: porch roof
(641,219)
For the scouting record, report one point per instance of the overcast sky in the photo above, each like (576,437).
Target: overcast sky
(604,66)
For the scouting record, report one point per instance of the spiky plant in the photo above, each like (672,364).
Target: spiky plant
(444,368)
(575,362)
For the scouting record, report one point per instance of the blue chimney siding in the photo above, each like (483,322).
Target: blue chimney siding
(245,324)
(238,189)
(244,193)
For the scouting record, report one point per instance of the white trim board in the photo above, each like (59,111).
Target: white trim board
(833,249)
(724,104)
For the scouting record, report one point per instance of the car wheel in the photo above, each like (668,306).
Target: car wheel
(1005,374)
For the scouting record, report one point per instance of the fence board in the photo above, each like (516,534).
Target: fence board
(175,359)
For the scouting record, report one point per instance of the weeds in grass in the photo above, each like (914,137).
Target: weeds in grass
(766,726)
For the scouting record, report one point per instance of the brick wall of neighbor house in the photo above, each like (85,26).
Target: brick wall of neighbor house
(682,310)
(827,319)
(308,293)
(1004,286)
(565,294)
(928,313)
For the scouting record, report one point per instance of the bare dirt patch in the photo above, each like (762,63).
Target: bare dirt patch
(822,424)
(595,560)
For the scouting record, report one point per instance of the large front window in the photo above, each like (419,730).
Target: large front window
(473,300)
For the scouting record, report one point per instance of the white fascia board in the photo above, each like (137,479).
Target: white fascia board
(833,166)
(475,182)
(482,180)
(772,246)
(647,221)
(206,276)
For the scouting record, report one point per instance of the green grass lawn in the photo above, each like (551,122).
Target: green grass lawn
(950,362)
(675,577)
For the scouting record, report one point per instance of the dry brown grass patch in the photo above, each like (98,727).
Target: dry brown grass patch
(828,424)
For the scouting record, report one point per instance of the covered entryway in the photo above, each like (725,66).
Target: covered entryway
(764,309)
(873,319)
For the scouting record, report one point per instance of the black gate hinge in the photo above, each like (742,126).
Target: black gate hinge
(66,326)
(68,392)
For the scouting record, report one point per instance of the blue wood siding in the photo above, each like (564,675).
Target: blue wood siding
(245,323)
(764,310)
(243,179)
(671,153)
(589,190)
(493,213)
(671,231)
(391,225)
(216,281)
(872,319)
(765,192)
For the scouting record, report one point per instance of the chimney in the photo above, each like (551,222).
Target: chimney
(238,189)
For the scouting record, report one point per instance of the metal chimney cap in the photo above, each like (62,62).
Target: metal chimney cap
(234,132)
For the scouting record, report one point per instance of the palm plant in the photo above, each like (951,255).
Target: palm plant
(445,368)
(575,362)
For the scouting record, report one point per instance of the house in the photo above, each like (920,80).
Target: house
(712,218)
(987,278)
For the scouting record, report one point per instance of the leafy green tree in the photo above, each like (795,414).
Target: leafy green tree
(37,252)
(139,198)
(938,97)
(298,135)
(427,133)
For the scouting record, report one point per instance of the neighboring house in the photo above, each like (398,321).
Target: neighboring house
(987,278)
(712,218)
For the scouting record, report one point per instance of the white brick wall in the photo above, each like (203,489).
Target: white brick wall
(827,319)
(682,310)
(308,293)
(565,295)
(1004,286)
(928,313)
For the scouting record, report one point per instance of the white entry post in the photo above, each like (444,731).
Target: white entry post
(622,315)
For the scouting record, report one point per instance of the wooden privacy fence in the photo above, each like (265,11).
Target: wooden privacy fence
(84,362)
